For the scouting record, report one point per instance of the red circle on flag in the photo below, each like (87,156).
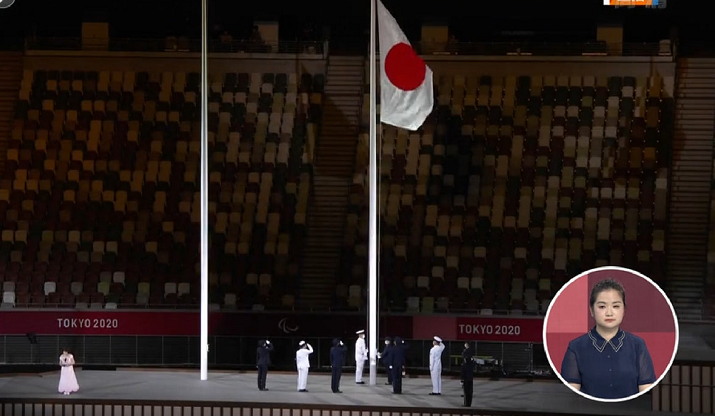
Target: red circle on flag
(404,68)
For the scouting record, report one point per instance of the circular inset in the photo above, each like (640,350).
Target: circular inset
(611,334)
(404,68)
(4,4)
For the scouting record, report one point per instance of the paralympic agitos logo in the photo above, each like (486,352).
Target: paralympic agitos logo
(287,326)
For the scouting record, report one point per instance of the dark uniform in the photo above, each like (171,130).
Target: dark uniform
(385,357)
(397,361)
(337,361)
(263,360)
(468,375)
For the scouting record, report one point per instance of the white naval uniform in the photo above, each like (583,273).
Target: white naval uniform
(435,367)
(360,357)
(303,364)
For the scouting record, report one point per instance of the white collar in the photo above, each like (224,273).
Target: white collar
(597,339)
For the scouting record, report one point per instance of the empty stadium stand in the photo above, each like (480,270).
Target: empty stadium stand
(100,200)
(514,185)
(690,187)
(696,98)
(333,168)
(10,75)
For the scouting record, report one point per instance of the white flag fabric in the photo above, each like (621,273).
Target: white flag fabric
(407,94)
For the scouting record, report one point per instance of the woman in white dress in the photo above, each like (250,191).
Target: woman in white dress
(68,380)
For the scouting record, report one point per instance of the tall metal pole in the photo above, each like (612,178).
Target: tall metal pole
(204,249)
(373,208)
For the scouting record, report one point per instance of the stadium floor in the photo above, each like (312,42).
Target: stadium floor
(509,395)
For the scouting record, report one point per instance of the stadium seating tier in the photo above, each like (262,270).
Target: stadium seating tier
(100,200)
(514,185)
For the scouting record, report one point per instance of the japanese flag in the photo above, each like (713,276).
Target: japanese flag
(407,95)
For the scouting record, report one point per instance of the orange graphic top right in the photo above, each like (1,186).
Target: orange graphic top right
(627,3)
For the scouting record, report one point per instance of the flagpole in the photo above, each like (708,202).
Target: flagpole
(204,229)
(373,208)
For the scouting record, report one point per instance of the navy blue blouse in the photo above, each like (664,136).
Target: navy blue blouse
(608,369)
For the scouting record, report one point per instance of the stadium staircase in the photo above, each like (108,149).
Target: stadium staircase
(10,76)
(690,186)
(333,168)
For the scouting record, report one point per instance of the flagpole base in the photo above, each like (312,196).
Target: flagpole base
(373,373)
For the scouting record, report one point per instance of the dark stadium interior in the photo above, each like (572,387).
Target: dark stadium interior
(566,135)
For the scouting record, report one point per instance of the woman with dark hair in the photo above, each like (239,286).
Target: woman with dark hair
(68,379)
(607,362)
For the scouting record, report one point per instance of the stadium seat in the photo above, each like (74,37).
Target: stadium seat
(512,186)
(100,200)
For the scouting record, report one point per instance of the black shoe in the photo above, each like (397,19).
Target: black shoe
(396,392)
(337,391)
(359,382)
(435,394)
(303,391)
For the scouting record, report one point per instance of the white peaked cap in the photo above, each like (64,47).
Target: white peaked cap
(362,331)
(438,339)
(301,343)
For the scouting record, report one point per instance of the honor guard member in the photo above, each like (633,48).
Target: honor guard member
(360,356)
(435,365)
(384,356)
(263,360)
(468,374)
(397,362)
(337,361)
(303,364)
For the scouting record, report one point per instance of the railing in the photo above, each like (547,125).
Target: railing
(173,45)
(705,318)
(10,43)
(93,407)
(509,359)
(295,308)
(697,49)
(688,387)
(542,48)
(320,48)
